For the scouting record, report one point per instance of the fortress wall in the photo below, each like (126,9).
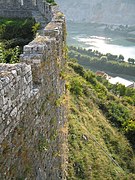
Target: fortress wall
(33,110)
(45,9)
(15,8)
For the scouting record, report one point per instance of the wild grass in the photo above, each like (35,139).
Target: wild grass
(97,149)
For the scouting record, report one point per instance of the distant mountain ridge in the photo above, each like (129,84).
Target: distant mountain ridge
(99,11)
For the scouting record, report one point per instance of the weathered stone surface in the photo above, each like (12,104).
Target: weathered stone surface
(30,119)
(26,8)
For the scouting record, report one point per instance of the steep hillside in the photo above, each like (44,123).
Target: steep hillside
(98,149)
(101,11)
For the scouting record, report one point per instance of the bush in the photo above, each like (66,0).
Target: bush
(14,28)
(10,55)
(14,34)
(76,86)
(52,2)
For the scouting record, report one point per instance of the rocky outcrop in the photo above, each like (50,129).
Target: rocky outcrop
(99,11)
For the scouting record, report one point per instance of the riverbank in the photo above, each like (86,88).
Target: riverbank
(93,36)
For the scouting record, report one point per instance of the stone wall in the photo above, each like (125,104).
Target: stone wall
(45,9)
(24,8)
(16,8)
(33,108)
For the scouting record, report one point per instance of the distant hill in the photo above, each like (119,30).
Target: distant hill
(99,11)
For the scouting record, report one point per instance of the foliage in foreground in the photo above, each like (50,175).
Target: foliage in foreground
(9,55)
(98,149)
(14,34)
(16,28)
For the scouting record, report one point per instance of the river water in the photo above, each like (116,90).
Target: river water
(93,36)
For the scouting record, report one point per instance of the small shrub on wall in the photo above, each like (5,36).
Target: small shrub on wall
(52,2)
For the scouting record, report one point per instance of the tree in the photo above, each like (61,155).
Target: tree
(103,58)
(111,56)
(131,61)
(121,58)
(121,89)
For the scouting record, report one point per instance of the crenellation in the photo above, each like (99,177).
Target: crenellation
(30,119)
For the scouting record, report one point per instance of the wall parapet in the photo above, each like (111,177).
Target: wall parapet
(24,8)
(30,120)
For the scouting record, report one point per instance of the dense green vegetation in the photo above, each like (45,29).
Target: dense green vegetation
(110,63)
(52,2)
(116,101)
(14,34)
(10,55)
(128,94)
(101,127)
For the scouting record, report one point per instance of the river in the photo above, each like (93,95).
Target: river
(93,36)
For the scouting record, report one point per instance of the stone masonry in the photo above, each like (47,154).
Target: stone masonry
(32,105)
(24,8)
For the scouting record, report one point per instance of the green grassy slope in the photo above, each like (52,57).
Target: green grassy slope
(97,148)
